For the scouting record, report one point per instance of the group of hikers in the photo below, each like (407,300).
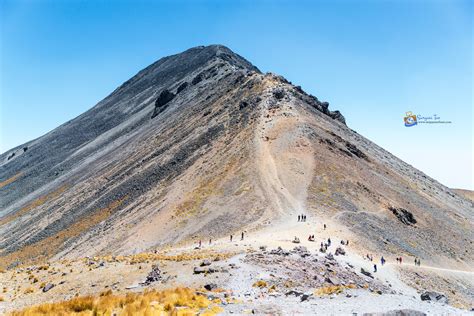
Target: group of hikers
(326,244)
(398,259)
(242,235)
(302,218)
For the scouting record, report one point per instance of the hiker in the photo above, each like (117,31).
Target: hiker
(382,260)
(324,226)
(419,262)
(200,243)
(231,238)
(400,260)
(375,268)
(309,238)
(304,218)
(299,218)
(242,237)
(210,241)
(329,242)
(347,242)
(322,245)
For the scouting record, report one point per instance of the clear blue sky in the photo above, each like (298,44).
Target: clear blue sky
(373,60)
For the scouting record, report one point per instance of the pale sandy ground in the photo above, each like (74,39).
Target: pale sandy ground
(123,277)
(365,302)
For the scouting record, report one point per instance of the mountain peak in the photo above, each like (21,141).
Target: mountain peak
(175,67)
(220,51)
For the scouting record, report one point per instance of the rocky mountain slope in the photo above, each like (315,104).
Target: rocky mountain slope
(203,145)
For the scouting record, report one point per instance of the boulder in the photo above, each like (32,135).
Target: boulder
(302,251)
(332,280)
(340,251)
(366,273)
(199,270)
(304,297)
(197,79)
(154,275)
(398,312)
(182,87)
(205,263)
(47,287)
(336,115)
(279,93)
(434,296)
(279,251)
(293,292)
(210,286)
(403,215)
(162,102)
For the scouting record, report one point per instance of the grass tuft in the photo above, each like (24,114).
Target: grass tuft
(179,301)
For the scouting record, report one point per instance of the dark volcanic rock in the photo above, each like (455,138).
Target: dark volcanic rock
(210,286)
(403,215)
(182,87)
(434,296)
(337,116)
(279,93)
(161,103)
(199,270)
(154,275)
(48,287)
(365,272)
(197,79)
(356,151)
(340,251)
(398,312)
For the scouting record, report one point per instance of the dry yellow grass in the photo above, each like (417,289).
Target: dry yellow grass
(179,301)
(260,284)
(28,290)
(185,256)
(333,289)
(10,180)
